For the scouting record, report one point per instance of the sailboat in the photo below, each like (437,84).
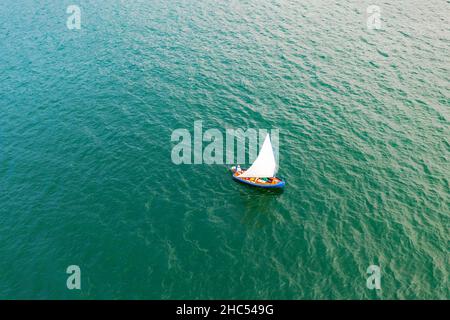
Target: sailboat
(262,172)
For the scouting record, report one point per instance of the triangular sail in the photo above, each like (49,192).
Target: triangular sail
(264,165)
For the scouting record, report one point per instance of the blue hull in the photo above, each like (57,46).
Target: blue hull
(280,184)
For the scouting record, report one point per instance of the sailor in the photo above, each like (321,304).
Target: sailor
(238,168)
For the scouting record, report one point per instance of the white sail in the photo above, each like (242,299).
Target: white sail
(264,165)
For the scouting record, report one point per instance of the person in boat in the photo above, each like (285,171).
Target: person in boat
(238,169)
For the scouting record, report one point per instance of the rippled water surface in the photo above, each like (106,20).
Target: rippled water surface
(86,176)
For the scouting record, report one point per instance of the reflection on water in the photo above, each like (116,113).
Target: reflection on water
(260,205)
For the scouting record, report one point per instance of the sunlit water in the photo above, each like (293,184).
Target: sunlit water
(86,176)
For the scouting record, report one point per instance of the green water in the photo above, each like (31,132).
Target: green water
(86,176)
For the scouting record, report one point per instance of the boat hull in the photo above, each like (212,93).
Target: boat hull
(278,185)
